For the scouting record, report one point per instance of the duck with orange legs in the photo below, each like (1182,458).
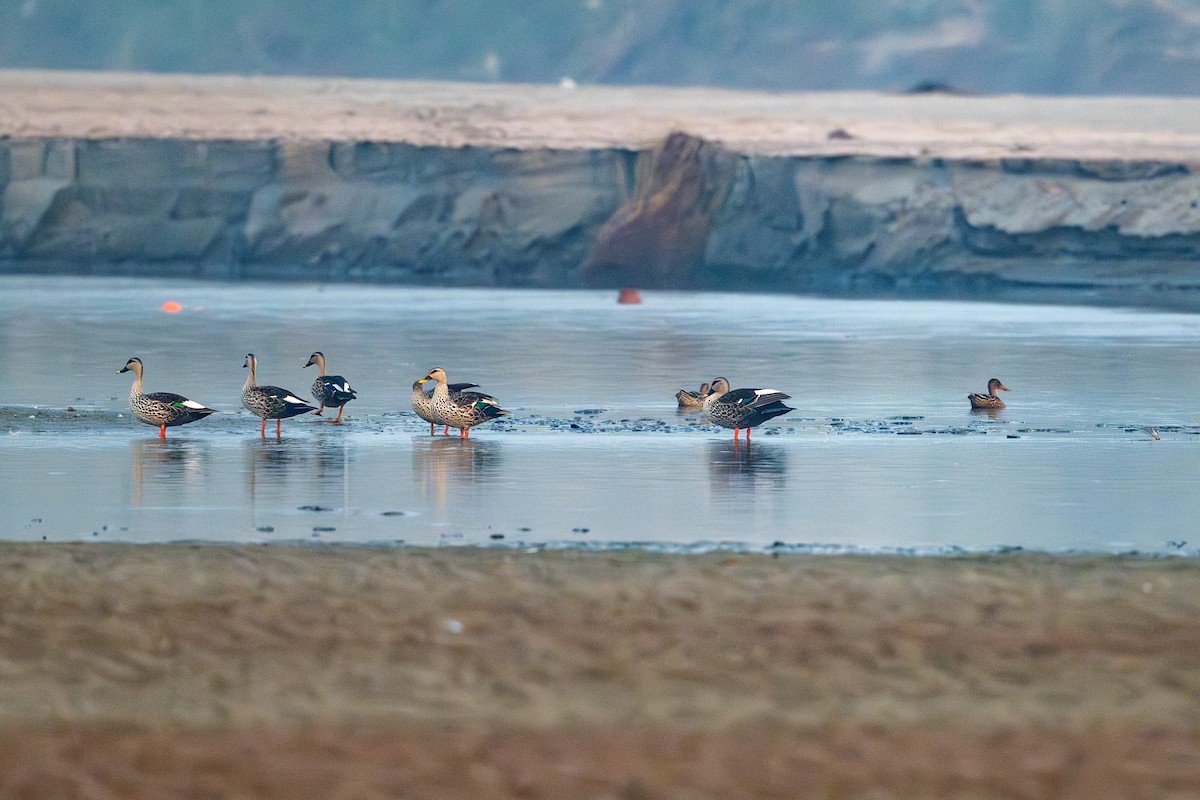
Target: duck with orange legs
(270,402)
(742,408)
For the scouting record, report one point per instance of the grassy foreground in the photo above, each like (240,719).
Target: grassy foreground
(212,671)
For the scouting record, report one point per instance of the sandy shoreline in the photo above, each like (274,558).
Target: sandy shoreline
(106,105)
(159,671)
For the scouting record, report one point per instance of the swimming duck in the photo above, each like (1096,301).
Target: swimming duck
(690,399)
(742,408)
(330,390)
(421,401)
(461,409)
(989,400)
(164,409)
(270,402)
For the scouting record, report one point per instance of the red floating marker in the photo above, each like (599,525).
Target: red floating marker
(629,296)
(171,307)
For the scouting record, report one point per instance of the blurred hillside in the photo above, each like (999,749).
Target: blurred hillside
(1025,46)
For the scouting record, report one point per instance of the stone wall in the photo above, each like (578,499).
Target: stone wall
(685,214)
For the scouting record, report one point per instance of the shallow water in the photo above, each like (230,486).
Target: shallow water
(882,453)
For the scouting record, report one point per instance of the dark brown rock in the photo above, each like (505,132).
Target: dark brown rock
(658,238)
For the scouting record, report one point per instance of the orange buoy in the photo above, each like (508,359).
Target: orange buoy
(629,296)
(171,307)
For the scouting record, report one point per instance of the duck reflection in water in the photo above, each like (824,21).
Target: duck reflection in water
(315,471)
(167,465)
(737,468)
(278,457)
(443,466)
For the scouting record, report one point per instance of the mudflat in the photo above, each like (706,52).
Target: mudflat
(275,671)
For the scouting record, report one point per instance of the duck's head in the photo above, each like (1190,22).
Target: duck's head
(994,385)
(435,374)
(317,358)
(133,365)
(703,390)
(718,386)
(251,361)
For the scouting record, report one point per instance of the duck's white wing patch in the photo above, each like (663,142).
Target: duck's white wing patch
(761,392)
(193,404)
(346,388)
(291,399)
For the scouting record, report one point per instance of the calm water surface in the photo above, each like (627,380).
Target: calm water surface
(882,453)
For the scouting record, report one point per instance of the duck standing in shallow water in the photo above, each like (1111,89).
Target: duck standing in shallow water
(270,402)
(989,400)
(459,409)
(743,408)
(422,402)
(330,390)
(690,399)
(164,409)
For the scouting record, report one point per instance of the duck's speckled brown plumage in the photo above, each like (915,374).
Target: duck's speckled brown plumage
(422,402)
(270,402)
(692,400)
(991,399)
(330,390)
(742,408)
(459,409)
(164,409)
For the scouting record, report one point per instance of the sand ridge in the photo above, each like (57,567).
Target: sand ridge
(107,105)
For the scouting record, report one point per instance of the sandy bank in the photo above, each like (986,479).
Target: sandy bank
(1011,198)
(82,105)
(159,671)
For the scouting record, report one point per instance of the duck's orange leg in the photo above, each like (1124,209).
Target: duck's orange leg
(264,428)
(446,432)
(319,410)
(465,433)
(162,431)
(278,428)
(432,431)
(339,416)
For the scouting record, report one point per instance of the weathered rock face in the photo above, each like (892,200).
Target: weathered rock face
(308,210)
(658,237)
(1067,230)
(684,214)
